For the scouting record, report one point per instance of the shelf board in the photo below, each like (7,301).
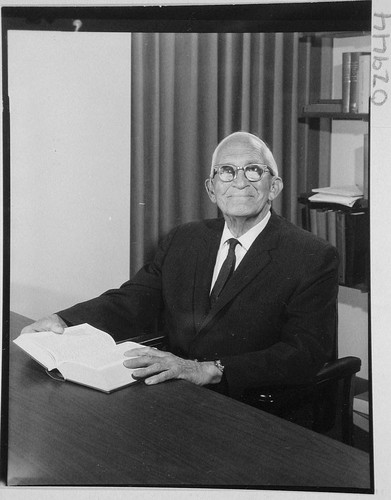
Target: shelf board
(337,34)
(335,116)
(330,108)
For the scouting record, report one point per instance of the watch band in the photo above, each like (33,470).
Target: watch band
(219,365)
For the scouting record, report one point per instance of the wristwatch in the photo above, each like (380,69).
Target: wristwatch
(218,365)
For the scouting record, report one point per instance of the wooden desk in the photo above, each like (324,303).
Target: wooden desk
(173,434)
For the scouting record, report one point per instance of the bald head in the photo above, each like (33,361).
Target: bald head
(244,141)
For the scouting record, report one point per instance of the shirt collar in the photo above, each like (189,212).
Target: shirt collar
(248,238)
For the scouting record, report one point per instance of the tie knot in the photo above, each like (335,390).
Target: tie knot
(232,243)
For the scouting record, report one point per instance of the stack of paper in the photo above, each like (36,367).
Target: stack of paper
(343,195)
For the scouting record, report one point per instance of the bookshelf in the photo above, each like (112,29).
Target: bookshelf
(347,228)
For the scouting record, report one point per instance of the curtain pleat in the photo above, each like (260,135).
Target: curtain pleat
(137,153)
(153,171)
(290,128)
(247,56)
(257,89)
(277,111)
(227,84)
(166,83)
(189,90)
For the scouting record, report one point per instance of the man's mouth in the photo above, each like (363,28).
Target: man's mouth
(240,196)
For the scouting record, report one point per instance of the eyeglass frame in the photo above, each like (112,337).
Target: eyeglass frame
(265,168)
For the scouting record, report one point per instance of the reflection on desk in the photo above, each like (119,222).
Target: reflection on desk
(172,434)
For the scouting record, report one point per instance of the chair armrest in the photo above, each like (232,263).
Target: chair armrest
(278,397)
(338,369)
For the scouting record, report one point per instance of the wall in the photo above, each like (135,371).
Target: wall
(70,167)
(347,169)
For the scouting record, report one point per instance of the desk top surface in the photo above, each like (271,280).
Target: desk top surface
(172,434)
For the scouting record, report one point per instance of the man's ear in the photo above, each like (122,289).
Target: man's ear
(275,188)
(210,189)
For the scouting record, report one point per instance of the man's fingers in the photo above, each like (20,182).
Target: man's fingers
(138,351)
(139,361)
(160,377)
(43,326)
(147,371)
(29,329)
(141,351)
(57,328)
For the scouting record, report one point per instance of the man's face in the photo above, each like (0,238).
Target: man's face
(241,197)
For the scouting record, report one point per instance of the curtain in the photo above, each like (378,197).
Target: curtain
(189,90)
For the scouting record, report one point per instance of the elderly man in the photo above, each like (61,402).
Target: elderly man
(247,300)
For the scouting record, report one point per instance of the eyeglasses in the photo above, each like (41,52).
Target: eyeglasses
(253,172)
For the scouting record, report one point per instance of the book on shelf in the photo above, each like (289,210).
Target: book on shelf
(352,242)
(332,227)
(342,195)
(346,64)
(353,93)
(324,106)
(364,82)
(341,244)
(355,82)
(313,221)
(82,354)
(366,167)
(348,231)
(348,201)
(357,244)
(348,190)
(321,223)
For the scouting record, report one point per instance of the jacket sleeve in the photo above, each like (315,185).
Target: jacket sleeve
(307,335)
(130,310)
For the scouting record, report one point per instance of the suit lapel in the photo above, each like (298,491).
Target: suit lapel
(252,264)
(208,246)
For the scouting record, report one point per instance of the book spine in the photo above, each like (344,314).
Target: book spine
(366,168)
(313,221)
(332,227)
(346,63)
(321,223)
(356,239)
(318,107)
(305,218)
(341,245)
(354,71)
(364,82)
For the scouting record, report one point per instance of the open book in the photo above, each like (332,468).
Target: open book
(82,354)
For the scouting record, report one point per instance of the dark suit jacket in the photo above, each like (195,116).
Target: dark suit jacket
(273,324)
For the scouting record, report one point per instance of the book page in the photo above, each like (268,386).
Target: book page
(77,343)
(105,372)
(115,356)
(36,351)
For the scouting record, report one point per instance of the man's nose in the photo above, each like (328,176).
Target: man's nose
(241,180)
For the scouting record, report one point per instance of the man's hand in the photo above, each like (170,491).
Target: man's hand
(158,366)
(49,323)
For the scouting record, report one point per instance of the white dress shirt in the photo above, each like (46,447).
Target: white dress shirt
(246,240)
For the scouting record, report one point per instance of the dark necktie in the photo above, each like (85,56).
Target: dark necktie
(226,271)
